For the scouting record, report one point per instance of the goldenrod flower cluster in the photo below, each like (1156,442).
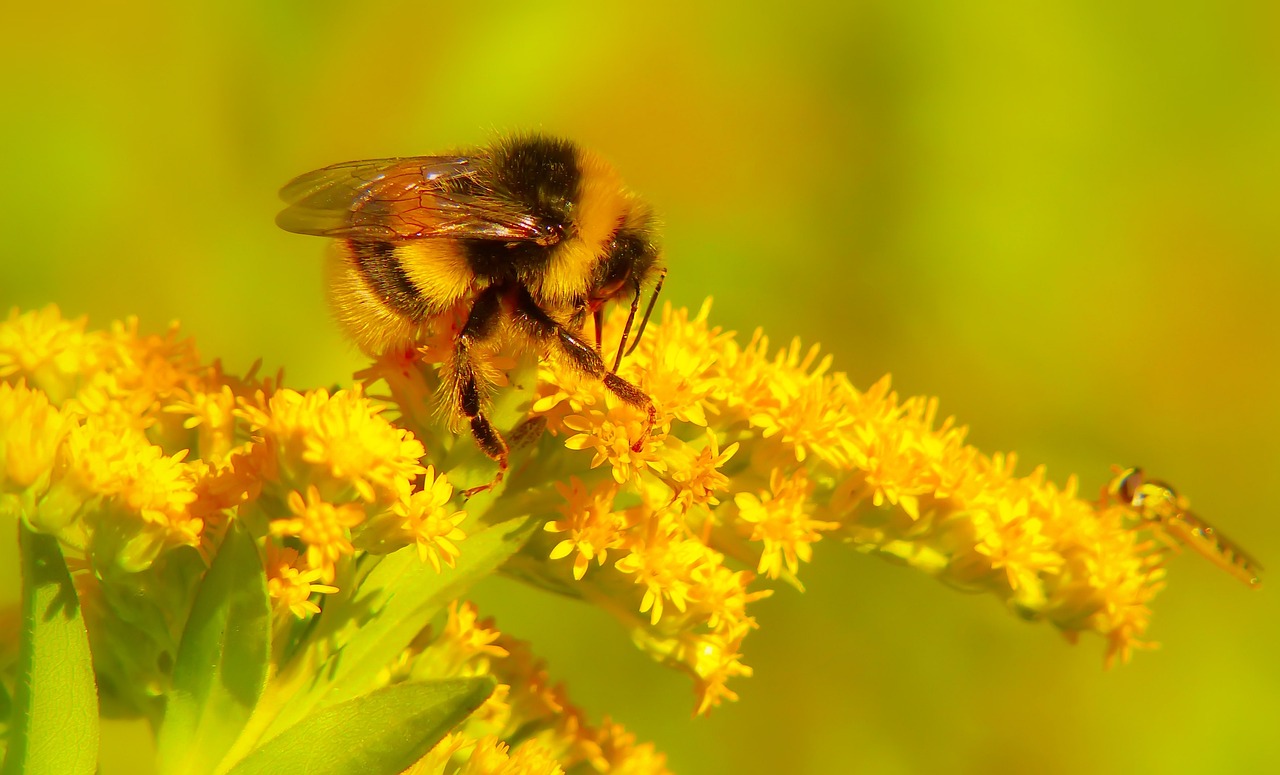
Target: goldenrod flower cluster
(760,454)
(140,458)
(147,464)
(558,736)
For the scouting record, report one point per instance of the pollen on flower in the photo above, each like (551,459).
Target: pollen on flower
(154,364)
(790,398)
(621,752)
(723,594)
(683,383)
(491,755)
(1016,542)
(428,524)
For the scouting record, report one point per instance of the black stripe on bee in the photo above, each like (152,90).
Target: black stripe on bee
(382,272)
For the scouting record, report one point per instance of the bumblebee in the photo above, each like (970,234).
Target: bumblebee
(529,235)
(1159,504)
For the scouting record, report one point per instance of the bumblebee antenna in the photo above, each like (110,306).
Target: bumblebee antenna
(648,310)
(635,303)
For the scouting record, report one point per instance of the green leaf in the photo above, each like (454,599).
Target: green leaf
(393,603)
(222,661)
(401,597)
(384,731)
(145,611)
(55,706)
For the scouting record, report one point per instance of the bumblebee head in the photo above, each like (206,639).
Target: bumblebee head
(631,262)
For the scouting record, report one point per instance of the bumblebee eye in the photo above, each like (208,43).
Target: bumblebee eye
(610,289)
(616,271)
(552,234)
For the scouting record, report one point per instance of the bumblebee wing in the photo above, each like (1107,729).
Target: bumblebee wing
(414,197)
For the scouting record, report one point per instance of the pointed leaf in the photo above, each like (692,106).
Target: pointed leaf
(222,661)
(384,731)
(393,603)
(55,706)
(402,596)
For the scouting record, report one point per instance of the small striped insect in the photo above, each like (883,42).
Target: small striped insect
(1158,503)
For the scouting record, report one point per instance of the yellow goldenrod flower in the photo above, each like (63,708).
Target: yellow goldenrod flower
(682,353)
(337,443)
(562,394)
(612,436)
(52,354)
(291,582)
(473,639)
(212,413)
(490,755)
(695,474)
(592,526)
(486,756)
(428,524)
(324,528)
(143,497)
(808,455)
(553,732)
(31,432)
(779,519)
(664,563)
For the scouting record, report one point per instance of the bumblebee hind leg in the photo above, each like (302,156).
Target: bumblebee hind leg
(539,326)
(483,322)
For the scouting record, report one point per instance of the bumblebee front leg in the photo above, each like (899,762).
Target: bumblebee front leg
(539,326)
(482,324)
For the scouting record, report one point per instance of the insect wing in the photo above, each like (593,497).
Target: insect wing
(1206,541)
(404,198)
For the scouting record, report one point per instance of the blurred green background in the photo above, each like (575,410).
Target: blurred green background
(1061,219)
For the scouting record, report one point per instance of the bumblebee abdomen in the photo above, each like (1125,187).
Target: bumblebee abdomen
(384,292)
(380,267)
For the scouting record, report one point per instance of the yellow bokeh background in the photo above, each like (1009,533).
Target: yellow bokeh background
(1060,218)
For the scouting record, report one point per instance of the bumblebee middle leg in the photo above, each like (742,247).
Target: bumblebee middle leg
(483,322)
(539,326)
